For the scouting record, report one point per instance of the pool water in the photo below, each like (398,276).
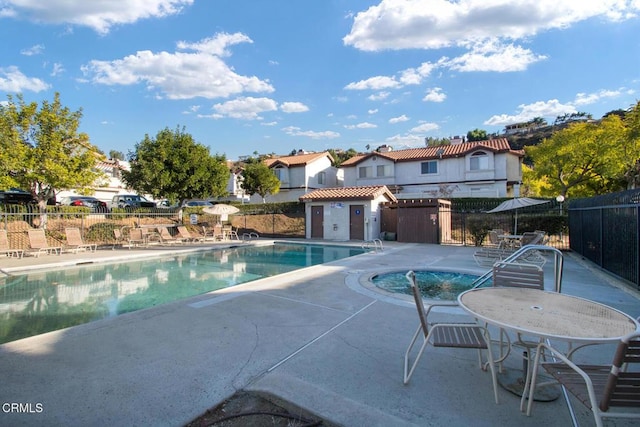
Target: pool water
(39,302)
(436,285)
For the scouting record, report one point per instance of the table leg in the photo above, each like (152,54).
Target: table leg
(513,380)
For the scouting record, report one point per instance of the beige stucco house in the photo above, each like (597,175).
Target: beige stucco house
(467,169)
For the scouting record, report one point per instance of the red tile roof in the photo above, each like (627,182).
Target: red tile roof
(297,160)
(500,145)
(348,193)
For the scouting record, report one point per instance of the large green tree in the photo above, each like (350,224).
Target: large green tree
(41,149)
(174,166)
(477,135)
(257,178)
(584,159)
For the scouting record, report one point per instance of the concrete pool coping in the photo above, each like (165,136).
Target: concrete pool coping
(314,337)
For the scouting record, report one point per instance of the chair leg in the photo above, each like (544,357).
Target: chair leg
(408,372)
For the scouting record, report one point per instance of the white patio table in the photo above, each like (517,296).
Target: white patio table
(547,315)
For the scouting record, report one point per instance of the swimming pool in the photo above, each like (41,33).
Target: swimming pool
(39,302)
(436,285)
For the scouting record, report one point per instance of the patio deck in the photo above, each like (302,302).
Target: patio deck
(320,338)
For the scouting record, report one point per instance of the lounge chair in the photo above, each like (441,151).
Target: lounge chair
(6,249)
(166,237)
(136,238)
(599,387)
(75,243)
(39,245)
(184,233)
(451,335)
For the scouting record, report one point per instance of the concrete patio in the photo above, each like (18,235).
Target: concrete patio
(321,338)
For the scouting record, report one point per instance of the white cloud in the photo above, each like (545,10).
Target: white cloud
(552,108)
(378,96)
(293,107)
(425,127)
(363,125)
(494,56)
(406,141)
(57,69)
(372,111)
(268,123)
(374,83)
(400,119)
(181,75)
(33,50)
(591,98)
(435,95)
(14,81)
(244,108)
(401,24)
(97,15)
(296,131)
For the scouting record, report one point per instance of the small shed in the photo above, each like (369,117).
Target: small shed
(345,213)
(416,220)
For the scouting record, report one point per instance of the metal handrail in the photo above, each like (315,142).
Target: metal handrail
(558,263)
(377,243)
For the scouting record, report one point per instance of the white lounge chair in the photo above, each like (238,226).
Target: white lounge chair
(75,243)
(6,249)
(39,245)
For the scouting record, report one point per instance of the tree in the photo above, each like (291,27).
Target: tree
(584,159)
(437,142)
(116,155)
(41,150)
(340,156)
(632,123)
(477,135)
(259,179)
(173,166)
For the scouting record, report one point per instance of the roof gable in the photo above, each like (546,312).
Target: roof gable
(297,160)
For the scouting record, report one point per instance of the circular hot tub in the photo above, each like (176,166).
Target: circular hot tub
(434,285)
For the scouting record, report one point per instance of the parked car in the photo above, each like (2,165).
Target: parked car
(95,204)
(131,201)
(15,196)
(196,202)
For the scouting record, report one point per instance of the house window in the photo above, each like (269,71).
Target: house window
(322,178)
(479,161)
(383,170)
(429,167)
(278,173)
(365,172)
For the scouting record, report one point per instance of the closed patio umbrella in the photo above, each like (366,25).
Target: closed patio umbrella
(515,204)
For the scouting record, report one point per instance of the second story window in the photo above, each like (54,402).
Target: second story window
(429,167)
(383,170)
(365,172)
(278,173)
(479,161)
(322,178)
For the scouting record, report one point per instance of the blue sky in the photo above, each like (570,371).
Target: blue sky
(273,76)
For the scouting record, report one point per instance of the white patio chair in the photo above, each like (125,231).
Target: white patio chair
(448,335)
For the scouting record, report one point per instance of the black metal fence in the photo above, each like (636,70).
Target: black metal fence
(605,230)
(470,221)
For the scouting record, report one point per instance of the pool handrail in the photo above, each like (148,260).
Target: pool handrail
(377,245)
(558,263)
